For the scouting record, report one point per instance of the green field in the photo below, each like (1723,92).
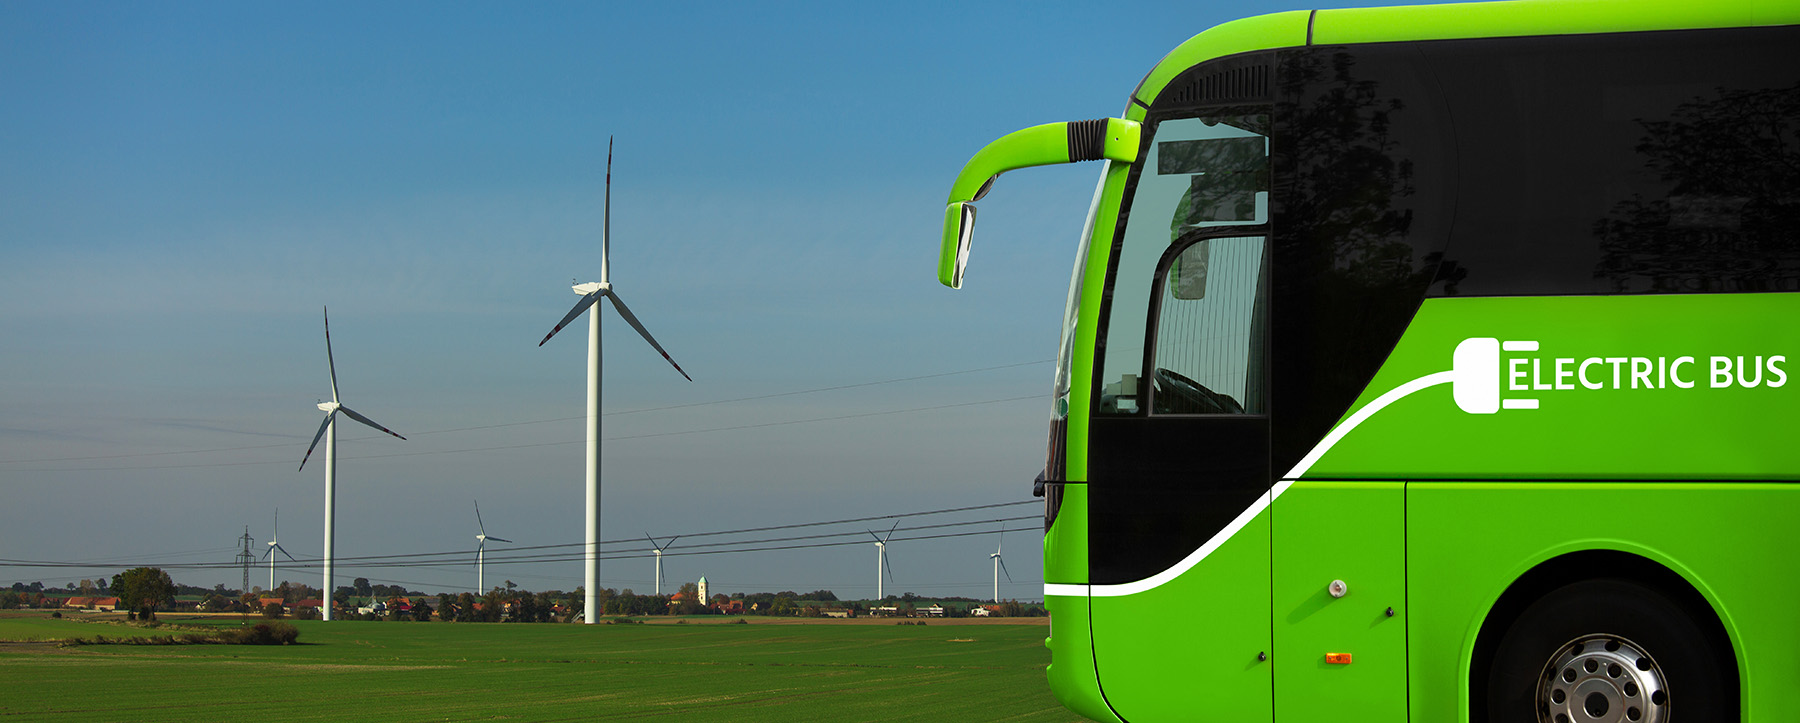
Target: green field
(348,670)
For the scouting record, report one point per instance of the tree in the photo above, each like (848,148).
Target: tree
(446,607)
(576,602)
(87,588)
(143,589)
(361,586)
(421,611)
(273,611)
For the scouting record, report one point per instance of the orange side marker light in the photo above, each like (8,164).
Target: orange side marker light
(1337,658)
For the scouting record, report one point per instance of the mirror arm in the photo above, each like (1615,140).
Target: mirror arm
(1114,139)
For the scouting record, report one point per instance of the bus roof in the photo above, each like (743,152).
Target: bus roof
(1515,18)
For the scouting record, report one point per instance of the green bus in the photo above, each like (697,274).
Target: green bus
(1432,363)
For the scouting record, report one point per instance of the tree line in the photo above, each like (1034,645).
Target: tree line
(143,591)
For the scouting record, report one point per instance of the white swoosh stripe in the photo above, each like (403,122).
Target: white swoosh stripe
(1262,503)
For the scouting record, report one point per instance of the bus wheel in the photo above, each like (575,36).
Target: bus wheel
(1610,650)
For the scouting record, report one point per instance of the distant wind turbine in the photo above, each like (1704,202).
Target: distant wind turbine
(881,559)
(273,546)
(658,549)
(328,430)
(591,293)
(999,564)
(481,541)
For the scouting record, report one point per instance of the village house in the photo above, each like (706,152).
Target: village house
(101,604)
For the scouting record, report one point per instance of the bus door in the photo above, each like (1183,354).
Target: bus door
(1178,449)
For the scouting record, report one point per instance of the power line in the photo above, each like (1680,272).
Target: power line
(798,392)
(715,533)
(416,559)
(638,553)
(554,444)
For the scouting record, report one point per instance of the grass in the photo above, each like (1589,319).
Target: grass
(461,671)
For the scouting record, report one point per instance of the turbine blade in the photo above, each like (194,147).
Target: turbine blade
(606,216)
(285,552)
(1002,542)
(268,552)
(329,362)
(891,531)
(498,539)
(671,542)
(478,520)
(315,442)
(580,306)
(632,320)
(877,537)
(888,565)
(1003,568)
(365,420)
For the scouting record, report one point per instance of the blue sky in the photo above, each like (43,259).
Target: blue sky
(183,186)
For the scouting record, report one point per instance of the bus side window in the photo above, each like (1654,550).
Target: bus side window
(1212,329)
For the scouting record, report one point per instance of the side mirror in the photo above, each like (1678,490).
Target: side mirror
(1113,139)
(959,229)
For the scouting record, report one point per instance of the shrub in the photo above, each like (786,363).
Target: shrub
(306,612)
(264,634)
(56,614)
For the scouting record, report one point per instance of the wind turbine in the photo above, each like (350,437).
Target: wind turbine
(331,410)
(658,549)
(480,550)
(881,559)
(591,293)
(273,546)
(999,564)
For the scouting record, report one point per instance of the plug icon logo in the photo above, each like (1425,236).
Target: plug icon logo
(1475,375)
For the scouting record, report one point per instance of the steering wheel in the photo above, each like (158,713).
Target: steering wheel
(1177,394)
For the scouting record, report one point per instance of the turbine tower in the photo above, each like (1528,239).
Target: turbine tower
(273,546)
(881,559)
(999,564)
(328,430)
(658,549)
(480,548)
(591,293)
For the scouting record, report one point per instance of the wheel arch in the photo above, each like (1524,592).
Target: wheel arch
(1564,567)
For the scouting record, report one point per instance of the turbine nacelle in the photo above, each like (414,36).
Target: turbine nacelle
(329,406)
(591,287)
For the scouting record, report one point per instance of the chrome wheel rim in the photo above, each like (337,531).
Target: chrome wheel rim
(1602,679)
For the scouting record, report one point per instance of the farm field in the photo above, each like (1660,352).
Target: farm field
(540,672)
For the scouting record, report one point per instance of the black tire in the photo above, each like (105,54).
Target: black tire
(1698,669)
